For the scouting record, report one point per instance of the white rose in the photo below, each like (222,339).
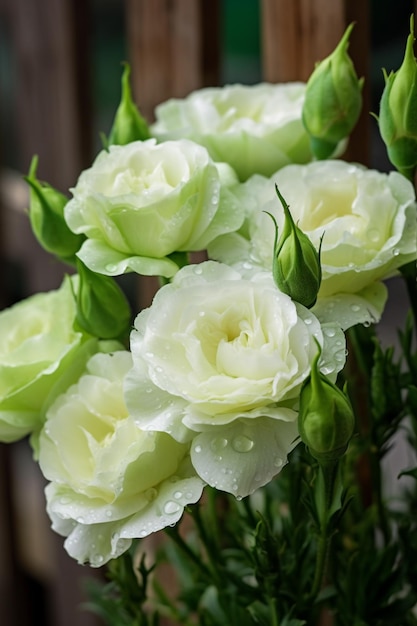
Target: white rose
(367,220)
(256,128)
(39,351)
(141,202)
(110,481)
(219,359)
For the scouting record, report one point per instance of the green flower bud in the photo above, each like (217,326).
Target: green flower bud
(102,308)
(398,112)
(128,124)
(296,266)
(325,420)
(333,100)
(46,215)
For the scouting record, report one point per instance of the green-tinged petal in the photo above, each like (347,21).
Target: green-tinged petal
(348,309)
(104,260)
(245,455)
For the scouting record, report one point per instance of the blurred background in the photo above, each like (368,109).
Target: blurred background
(60,70)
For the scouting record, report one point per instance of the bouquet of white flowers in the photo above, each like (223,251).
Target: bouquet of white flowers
(247,411)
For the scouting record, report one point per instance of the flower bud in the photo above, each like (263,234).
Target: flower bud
(46,215)
(296,265)
(128,124)
(325,419)
(102,308)
(333,100)
(398,112)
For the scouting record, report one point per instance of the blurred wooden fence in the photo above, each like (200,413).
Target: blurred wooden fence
(174,47)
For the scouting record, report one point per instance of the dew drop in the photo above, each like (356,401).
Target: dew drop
(278,462)
(241,443)
(98,558)
(329,332)
(308,320)
(198,270)
(111,267)
(355,307)
(109,513)
(218,444)
(171,507)
(396,252)
(80,519)
(143,533)
(178,495)
(65,500)
(197,449)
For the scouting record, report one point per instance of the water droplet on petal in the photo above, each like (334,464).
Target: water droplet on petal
(198,270)
(197,449)
(111,267)
(178,495)
(355,307)
(98,558)
(171,507)
(218,444)
(329,332)
(241,443)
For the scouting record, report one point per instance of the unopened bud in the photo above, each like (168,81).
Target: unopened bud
(46,215)
(398,112)
(325,419)
(296,265)
(128,124)
(102,308)
(333,100)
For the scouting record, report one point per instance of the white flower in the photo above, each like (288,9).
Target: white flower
(219,359)
(110,481)
(367,220)
(141,202)
(37,354)
(256,128)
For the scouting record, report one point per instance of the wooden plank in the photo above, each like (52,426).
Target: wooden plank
(298,33)
(173,48)
(53,109)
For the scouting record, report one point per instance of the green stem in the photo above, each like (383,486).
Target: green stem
(173,533)
(325,495)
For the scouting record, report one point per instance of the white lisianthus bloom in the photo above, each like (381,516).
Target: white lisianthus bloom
(219,359)
(110,481)
(40,352)
(141,202)
(367,220)
(255,128)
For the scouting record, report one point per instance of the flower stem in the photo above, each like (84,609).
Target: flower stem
(327,488)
